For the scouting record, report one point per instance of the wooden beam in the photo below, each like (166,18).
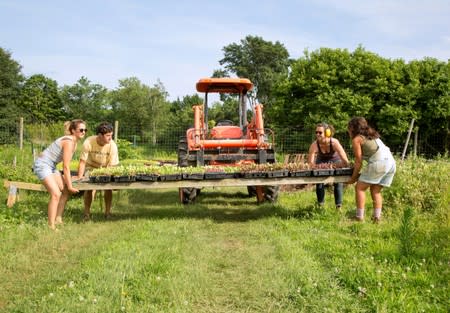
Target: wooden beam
(24,185)
(229,182)
(14,186)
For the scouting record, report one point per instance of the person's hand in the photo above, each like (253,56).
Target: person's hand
(73,190)
(351,181)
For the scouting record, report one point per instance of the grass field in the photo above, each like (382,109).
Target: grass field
(225,253)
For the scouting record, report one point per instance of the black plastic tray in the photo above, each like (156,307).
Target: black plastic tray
(124,179)
(146,177)
(170,177)
(343,171)
(323,172)
(99,179)
(219,175)
(280,173)
(305,173)
(254,174)
(193,176)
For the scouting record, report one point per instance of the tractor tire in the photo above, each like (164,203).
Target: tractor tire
(187,195)
(251,191)
(183,152)
(270,192)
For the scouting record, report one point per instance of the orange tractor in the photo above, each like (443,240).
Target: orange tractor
(227,144)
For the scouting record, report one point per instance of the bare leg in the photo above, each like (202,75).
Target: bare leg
(61,205)
(108,202)
(377,198)
(360,195)
(87,197)
(54,185)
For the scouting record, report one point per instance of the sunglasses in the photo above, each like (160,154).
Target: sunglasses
(83,130)
(318,133)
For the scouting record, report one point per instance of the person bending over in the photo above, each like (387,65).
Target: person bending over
(326,149)
(380,168)
(99,150)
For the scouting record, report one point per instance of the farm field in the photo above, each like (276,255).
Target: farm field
(225,253)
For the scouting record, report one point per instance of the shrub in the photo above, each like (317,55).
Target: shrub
(420,184)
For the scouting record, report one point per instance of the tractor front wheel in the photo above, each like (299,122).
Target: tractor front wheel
(270,193)
(187,195)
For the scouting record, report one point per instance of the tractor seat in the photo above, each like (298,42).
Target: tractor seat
(224,123)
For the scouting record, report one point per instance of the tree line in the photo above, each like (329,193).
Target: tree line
(329,85)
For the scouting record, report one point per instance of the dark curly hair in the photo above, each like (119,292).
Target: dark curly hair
(104,128)
(359,126)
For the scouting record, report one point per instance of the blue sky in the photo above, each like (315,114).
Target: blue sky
(178,42)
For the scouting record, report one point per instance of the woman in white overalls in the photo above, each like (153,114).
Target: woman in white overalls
(380,168)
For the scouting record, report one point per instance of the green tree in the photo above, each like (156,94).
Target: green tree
(10,85)
(432,104)
(332,85)
(182,115)
(40,100)
(228,109)
(86,101)
(141,108)
(263,62)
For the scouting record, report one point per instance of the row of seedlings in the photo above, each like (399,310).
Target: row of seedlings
(167,172)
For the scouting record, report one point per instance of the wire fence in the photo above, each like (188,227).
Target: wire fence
(148,145)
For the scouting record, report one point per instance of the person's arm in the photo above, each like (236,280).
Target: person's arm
(84,155)
(81,168)
(340,151)
(67,147)
(357,151)
(114,155)
(312,153)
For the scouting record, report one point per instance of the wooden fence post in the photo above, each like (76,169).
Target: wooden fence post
(407,139)
(21,134)
(12,195)
(116,130)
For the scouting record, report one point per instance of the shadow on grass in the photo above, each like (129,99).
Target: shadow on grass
(219,206)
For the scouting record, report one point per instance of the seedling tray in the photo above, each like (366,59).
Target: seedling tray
(170,177)
(193,176)
(306,173)
(99,179)
(124,179)
(254,175)
(219,175)
(280,173)
(343,171)
(323,172)
(146,177)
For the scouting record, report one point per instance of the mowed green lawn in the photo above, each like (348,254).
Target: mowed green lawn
(225,253)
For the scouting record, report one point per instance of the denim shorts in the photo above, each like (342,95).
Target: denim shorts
(379,172)
(43,169)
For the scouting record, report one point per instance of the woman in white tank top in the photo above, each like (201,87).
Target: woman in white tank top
(44,167)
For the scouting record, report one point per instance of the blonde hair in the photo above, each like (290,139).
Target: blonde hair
(70,126)
(67,128)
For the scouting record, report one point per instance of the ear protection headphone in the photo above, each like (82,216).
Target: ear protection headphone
(327,130)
